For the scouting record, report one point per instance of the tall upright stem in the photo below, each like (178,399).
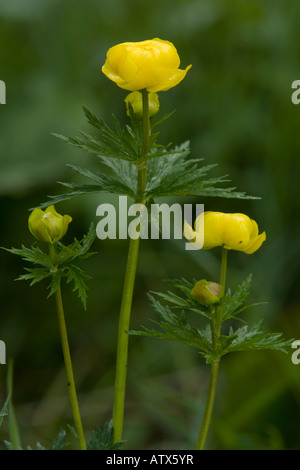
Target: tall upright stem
(68,364)
(218,318)
(211,394)
(214,371)
(128,288)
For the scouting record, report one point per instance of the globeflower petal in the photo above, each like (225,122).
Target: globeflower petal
(255,243)
(48,226)
(237,231)
(152,65)
(170,81)
(231,231)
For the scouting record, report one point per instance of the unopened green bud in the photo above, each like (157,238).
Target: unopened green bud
(206,292)
(135,100)
(48,226)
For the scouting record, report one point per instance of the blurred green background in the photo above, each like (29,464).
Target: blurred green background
(235,107)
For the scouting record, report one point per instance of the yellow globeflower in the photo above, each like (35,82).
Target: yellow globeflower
(135,99)
(48,226)
(152,65)
(206,292)
(231,231)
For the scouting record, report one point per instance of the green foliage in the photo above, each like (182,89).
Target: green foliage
(186,301)
(175,174)
(176,327)
(232,303)
(102,439)
(170,172)
(59,443)
(4,410)
(63,264)
(13,427)
(234,106)
(246,339)
(117,143)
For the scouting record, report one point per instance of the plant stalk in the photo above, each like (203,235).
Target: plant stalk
(214,370)
(128,288)
(68,364)
(211,394)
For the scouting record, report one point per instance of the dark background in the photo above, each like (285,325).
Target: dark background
(235,108)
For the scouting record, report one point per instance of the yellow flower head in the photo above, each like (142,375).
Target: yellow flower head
(152,65)
(206,292)
(48,226)
(135,99)
(231,231)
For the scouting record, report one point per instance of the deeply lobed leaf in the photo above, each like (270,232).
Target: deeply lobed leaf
(63,265)
(174,326)
(170,172)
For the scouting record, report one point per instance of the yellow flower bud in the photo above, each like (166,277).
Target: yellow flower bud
(135,99)
(152,65)
(206,292)
(231,231)
(48,226)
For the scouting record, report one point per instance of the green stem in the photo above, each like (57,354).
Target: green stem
(12,421)
(128,288)
(223,273)
(146,124)
(211,394)
(223,270)
(68,363)
(122,347)
(214,371)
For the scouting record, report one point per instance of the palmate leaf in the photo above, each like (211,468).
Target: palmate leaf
(175,327)
(64,264)
(78,190)
(187,303)
(117,143)
(120,143)
(84,189)
(32,255)
(78,277)
(103,439)
(124,172)
(170,171)
(250,339)
(174,174)
(76,251)
(108,183)
(34,275)
(233,304)
(60,443)
(55,283)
